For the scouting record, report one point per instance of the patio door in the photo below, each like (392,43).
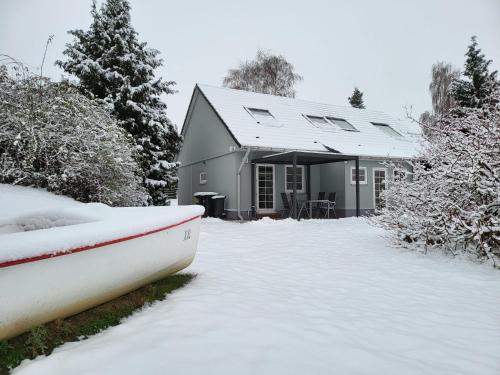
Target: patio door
(265,187)
(379,185)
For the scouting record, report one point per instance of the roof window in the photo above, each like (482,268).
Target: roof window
(342,124)
(387,129)
(261,115)
(318,121)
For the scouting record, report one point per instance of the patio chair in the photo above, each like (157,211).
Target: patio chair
(299,211)
(330,207)
(286,205)
(317,207)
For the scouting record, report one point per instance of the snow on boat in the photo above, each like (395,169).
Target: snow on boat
(56,263)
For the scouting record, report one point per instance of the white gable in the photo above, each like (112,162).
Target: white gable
(289,129)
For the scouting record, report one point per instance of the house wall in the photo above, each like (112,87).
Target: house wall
(336,177)
(366,191)
(332,179)
(221,178)
(279,174)
(279,170)
(207,147)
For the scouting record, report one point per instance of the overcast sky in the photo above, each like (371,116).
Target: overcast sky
(385,47)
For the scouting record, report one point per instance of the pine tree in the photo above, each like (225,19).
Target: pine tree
(479,83)
(114,67)
(356,99)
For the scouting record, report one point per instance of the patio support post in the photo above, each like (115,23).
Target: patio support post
(308,183)
(253,183)
(238,182)
(357,187)
(294,200)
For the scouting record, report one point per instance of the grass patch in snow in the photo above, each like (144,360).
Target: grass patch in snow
(42,340)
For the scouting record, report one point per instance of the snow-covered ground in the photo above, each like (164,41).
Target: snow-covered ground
(309,297)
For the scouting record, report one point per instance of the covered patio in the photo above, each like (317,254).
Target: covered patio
(306,158)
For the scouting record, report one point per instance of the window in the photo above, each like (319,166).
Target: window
(203,178)
(318,121)
(379,186)
(265,186)
(399,174)
(342,124)
(261,115)
(387,129)
(300,177)
(362,175)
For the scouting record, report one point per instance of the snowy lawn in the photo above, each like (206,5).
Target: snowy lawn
(314,297)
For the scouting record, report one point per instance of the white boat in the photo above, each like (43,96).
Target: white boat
(47,285)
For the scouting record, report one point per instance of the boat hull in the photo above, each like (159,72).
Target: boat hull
(41,290)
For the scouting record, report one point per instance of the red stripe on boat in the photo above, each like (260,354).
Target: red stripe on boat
(91,247)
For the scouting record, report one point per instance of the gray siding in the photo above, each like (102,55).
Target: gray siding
(209,147)
(332,179)
(206,148)
(205,135)
(221,178)
(366,191)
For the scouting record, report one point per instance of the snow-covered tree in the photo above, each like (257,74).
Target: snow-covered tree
(451,199)
(443,77)
(114,67)
(267,74)
(356,99)
(478,82)
(52,136)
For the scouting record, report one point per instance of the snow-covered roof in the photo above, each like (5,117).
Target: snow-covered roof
(289,129)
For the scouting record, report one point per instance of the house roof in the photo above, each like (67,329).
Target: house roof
(289,129)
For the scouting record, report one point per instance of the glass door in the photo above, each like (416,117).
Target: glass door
(265,187)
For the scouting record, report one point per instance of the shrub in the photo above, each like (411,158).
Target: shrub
(53,137)
(452,199)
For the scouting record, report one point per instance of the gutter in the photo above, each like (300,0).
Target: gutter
(238,178)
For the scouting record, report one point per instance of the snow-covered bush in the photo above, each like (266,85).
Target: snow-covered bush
(451,200)
(53,137)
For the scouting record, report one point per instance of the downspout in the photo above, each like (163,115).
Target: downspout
(239,183)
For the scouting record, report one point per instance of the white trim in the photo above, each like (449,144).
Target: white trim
(256,182)
(353,182)
(303,179)
(373,184)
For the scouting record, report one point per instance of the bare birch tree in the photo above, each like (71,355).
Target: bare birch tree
(267,73)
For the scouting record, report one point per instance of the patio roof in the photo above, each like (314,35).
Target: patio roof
(308,158)
(304,158)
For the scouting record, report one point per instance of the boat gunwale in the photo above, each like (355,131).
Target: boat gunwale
(35,258)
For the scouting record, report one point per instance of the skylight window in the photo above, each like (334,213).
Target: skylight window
(318,121)
(387,129)
(261,115)
(342,124)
